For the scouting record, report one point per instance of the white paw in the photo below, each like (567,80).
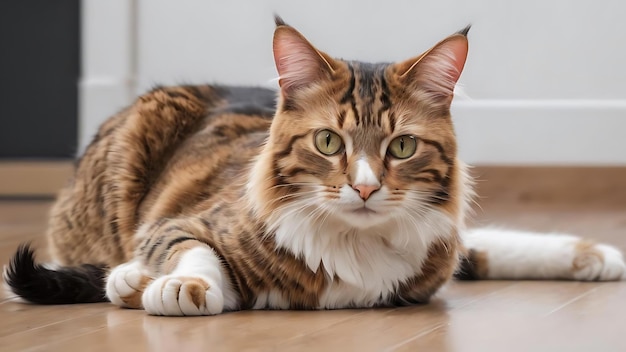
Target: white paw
(614,267)
(183,295)
(125,285)
(599,262)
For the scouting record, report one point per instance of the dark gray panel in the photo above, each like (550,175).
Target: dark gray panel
(39,70)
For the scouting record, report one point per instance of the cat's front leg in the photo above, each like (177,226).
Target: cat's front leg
(173,273)
(195,286)
(191,278)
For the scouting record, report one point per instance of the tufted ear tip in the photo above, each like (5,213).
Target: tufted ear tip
(279,21)
(465,30)
(298,62)
(438,70)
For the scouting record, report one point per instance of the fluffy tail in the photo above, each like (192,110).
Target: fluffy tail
(38,284)
(516,255)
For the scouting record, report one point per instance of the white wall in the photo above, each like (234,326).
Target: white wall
(108,51)
(546,78)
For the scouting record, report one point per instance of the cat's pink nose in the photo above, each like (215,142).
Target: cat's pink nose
(365,191)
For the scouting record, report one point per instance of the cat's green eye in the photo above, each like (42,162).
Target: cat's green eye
(328,142)
(403,147)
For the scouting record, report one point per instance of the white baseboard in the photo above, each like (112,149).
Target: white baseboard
(542,132)
(109,55)
(98,100)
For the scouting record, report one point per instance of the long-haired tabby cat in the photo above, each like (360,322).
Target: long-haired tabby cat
(347,192)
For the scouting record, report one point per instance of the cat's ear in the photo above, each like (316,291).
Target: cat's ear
(437,70)
(298,62)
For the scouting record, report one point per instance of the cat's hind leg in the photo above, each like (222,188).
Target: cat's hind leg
(508,254)
(126,283)
(192,279)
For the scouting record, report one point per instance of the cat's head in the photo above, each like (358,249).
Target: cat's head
(360,143)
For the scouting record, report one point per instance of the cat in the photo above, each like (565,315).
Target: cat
(344,192)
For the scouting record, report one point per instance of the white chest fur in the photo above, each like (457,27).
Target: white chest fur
(363,266)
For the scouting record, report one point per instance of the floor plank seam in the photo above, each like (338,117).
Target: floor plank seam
(418,336)
(69,338)
(313,332)
(486,296)
(570,302)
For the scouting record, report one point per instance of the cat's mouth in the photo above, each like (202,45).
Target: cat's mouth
(364,211)
(363,217)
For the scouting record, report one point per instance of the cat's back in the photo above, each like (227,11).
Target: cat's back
(213,160)
(173,150)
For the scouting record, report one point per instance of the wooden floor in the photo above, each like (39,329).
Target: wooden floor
(467,316)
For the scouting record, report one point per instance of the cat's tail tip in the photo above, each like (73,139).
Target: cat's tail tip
(38,284)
